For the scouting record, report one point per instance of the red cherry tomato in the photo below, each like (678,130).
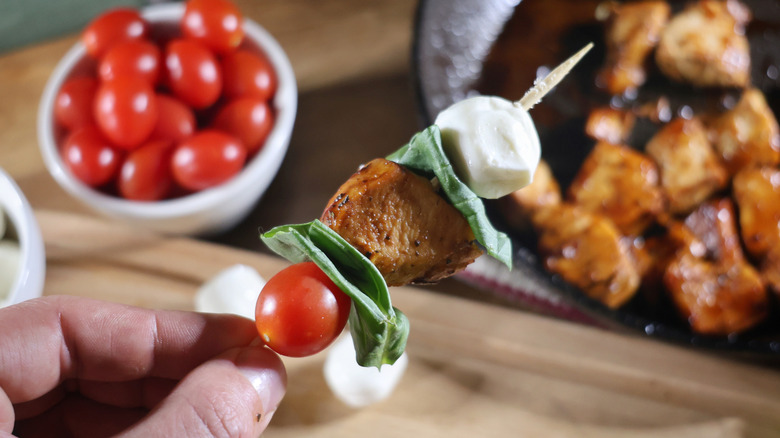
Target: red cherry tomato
(146,172)
(126,111)
(207,159)
(73,104)
(249,119)
(90,156)
(133,57)
(218,24)
(111,27)
(193,73)
(300,311)
(175,120)
(248,74)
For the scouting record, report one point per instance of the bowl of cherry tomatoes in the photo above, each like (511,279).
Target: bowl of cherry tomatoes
(175,118)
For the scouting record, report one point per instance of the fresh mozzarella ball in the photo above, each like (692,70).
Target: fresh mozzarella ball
(355,385)
(9,267)
(492,144)
(233,290)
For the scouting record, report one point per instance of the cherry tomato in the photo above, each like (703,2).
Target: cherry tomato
(193,73)
(300,311)
(90,156)
(249,119)
(215,23)
(133,57)
(111,27)
(73,104)
(207,159)
(248,74)
(175,120)
(146,172)
(126,111)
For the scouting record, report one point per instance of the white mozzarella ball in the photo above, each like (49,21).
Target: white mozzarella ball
(355,385)
(492,144)
(232,290)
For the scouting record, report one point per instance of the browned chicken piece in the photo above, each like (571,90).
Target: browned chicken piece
(757,194)
(401,224)
(747,135)
(719,293)
(690,169)
(519,208)
(608,124)
(705,45)
(633,30)
(587,251)
(620,183)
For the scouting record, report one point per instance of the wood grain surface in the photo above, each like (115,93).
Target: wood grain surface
(476,369)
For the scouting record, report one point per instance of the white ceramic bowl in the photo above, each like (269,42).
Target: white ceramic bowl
(206,212)
(32,264)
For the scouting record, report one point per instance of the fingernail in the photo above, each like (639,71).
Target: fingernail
(263,368)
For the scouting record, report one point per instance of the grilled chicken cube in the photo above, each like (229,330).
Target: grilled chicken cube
(520,207)
(690,169)
(632,32)
(588,251)
(747,135)
(719,292)
(608,124)
(401,224)
(757,194)
(620,183)
(716,300)
(705,45)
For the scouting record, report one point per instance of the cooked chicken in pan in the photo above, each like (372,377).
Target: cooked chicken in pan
(747,135)
(632,32)
(719,293)
(705,45)
(519,208)
(757,194)
(609,124)
(588,251)
(397,220)
(620,183)
(690,170)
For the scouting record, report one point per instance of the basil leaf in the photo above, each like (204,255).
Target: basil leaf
(379,331)
(424,155)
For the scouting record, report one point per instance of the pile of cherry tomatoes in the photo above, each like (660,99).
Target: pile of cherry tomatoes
(159,116)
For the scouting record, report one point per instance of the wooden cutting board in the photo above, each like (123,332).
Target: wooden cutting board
(476,369)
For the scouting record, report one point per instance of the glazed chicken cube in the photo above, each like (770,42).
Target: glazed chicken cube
(401,224)
(705,45)
(588,251)
(632,32)
(719,293)
(620,183)
(747,135)
(690,169)
(608,124)
(520,207)
(757,194)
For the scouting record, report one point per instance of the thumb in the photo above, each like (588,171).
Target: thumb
(233,395)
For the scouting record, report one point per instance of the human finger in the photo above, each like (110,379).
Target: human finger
(48,340)
(234,395)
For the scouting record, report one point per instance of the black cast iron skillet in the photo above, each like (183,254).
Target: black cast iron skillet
(495,47)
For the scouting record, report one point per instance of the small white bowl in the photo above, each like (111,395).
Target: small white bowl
(206,212)
(32,263)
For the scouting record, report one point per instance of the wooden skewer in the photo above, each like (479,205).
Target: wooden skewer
(540,88)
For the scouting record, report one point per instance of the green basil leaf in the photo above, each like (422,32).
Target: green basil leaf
(424,155)
(379,331)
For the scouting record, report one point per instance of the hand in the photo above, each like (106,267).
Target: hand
(77,367)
